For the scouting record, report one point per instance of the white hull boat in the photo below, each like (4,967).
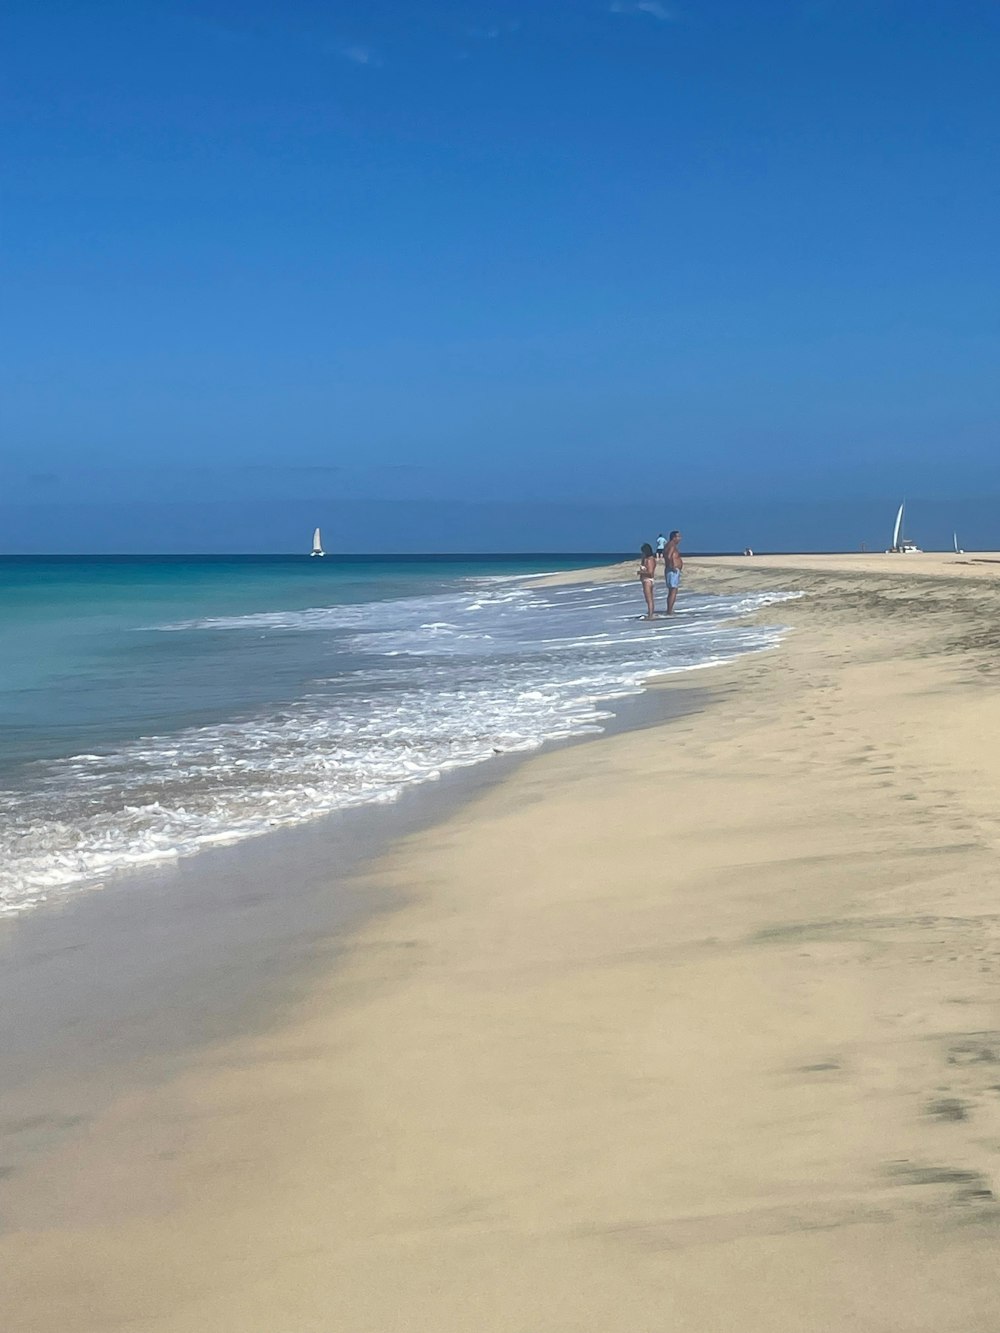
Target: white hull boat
(901,545)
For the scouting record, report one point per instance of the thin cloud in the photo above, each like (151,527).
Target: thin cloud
(310,469)
(358,54)
(651,7)
(492,31)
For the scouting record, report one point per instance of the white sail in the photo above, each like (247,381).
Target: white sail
(897,529)
(317,544)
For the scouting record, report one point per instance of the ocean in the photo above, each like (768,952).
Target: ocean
(153,706)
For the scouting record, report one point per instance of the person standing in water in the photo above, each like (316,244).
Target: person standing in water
(673,563)
(647,574)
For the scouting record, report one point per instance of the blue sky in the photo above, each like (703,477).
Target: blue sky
(554,274)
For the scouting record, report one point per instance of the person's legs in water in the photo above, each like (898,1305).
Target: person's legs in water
(647,592)
(673,583)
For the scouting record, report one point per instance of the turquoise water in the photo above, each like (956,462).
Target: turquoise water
(153,706)
(79,667)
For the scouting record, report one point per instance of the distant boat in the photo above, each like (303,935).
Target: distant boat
(958,549)
(317,544)
(901,545)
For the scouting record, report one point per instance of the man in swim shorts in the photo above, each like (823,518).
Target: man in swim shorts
(661,543)
(673,563)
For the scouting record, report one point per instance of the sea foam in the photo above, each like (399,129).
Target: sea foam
(407,689)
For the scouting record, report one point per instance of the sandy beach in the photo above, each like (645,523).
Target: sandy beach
(694,1027)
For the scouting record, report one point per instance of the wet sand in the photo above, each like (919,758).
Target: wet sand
(693,1027)
(113,988)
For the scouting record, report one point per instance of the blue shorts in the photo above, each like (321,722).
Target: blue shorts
(673,578)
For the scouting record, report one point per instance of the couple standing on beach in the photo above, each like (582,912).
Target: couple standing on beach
(673,562)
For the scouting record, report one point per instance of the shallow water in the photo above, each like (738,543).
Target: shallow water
(152,707)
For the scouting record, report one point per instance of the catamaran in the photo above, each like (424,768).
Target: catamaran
(901,545)
(317,544)
(958,549)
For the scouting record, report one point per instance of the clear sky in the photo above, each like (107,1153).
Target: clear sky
(543,275)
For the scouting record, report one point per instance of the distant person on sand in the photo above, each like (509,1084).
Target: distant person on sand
(647,573)
(661,542)
(674,563)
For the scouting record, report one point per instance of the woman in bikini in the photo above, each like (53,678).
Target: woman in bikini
(647,573)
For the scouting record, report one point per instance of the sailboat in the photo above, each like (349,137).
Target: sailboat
(901,545)
(958,549)
(317,544)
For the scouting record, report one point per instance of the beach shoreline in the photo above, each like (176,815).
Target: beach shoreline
(224,701)
(693,1025)
(117,987)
